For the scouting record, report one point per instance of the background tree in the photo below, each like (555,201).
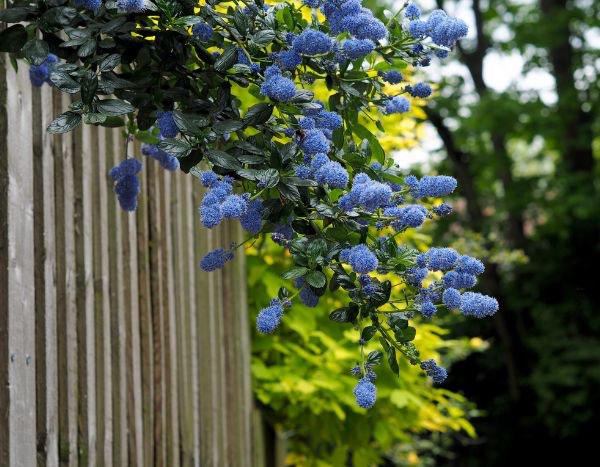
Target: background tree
(526,165)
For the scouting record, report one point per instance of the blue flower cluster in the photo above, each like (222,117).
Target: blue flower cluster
(216,259)
(397,105)
(89,4)
(360,258)
(269,318)
(166,124)
(444,30)
(392,76)
(220,202)
(127,186)
(350,16)
(357,48)
(312,42)
(365,393)
(366,193)
(166,161)
(419,90)
(40,74)
(434,371)
(277,87)
(131,6)
(432,186)
(202,31)
(412,215)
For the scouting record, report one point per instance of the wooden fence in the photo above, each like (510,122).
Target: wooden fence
(115,349)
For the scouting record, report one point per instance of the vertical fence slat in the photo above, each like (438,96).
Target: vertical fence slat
(142,358)
(45,296)
(17,306)
(117,316)
(85,295)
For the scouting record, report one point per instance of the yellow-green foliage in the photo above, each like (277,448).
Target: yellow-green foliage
(301,374)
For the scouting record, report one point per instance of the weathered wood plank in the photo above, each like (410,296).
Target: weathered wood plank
(45,282)
(85,295)
(145,319)
(117,317)
(17,305)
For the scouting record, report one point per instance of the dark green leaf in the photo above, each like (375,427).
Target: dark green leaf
(109,62)
(297,181)
(316,278)
(374,357)
(64,82)
(227,126)
(226,60)
(258,114)
(56,18)
(87,48)
(35,51)
(222,159)
(64,123)
(89,86)
(340,315)
(94,118)
(294,272)
(113,122)
(376,149)
(114,107)
(13,39)
(368,332)
(392,361)
(408,334)
(289,192)
(16,14)
(303,95)
(264,37)
(269,178)
(175,147)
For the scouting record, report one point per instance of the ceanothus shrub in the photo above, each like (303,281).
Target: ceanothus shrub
(303,170)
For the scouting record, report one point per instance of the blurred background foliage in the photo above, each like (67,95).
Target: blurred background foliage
(516,121)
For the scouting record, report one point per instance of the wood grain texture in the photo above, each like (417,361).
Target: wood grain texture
(136,356)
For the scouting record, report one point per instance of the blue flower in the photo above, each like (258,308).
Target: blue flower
(251,221)
(478,305)
(451,298)
(365,393)
(414,276)
(436,186)
(313,3)
(314,142)
(319,160)
(131,6)
(269,318)
(242,58)
(325,119)
(277,87)
(459,280)
(282,234)
(357,48)
(234,206)
(360,258)
(40,74)
(304,171)
(167,161)
(469,265)
(209,178)
(419,90)
(367,193)
(435,372)
(442,209)
(211,215)
(289,59)
(216,259)
(307,123)
(307,295)
(312,42)
(166,124)
(428,309)
(448,31)
(202,31)
(333,174)
(439,259)
(89,4)
(397,105)
(392,76)
(418,29)
(412,11)
(127,186)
